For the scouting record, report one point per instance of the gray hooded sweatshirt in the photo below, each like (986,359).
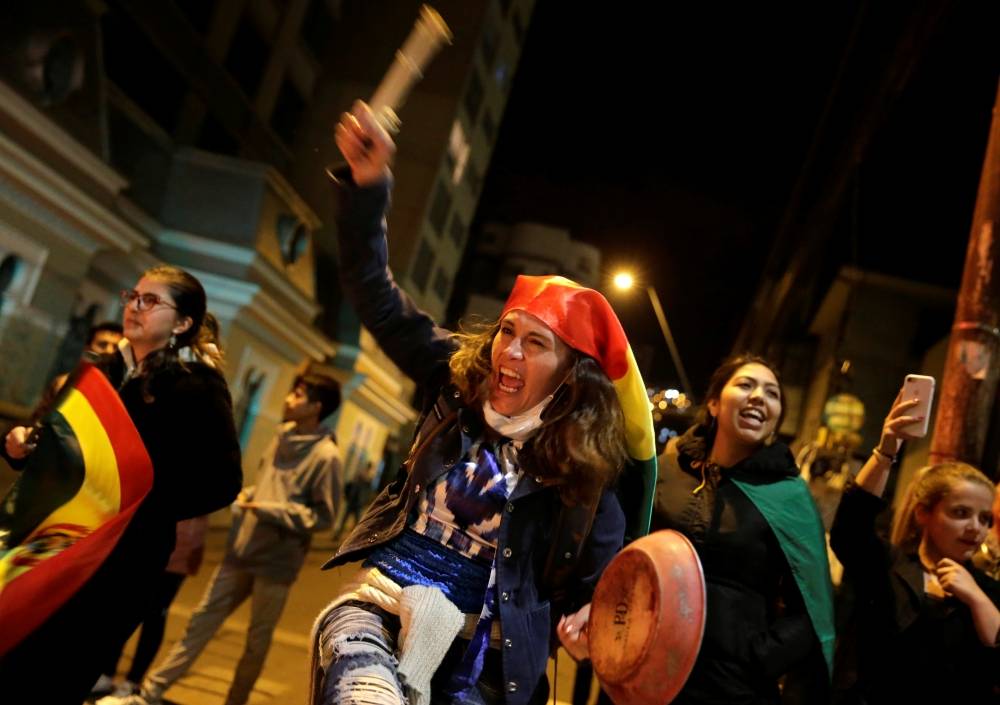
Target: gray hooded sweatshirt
(298,491)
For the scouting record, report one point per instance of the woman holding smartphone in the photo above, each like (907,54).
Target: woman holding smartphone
(928,622)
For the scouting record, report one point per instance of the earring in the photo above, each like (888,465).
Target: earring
(172,343)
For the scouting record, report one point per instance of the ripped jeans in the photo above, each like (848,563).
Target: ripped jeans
(357,644)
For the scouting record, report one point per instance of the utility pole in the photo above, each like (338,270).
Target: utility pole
(972,368)
(669,337)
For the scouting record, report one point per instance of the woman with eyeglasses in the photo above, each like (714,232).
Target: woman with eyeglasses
(167,375)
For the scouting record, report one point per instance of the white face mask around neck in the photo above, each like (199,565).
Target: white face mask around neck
(519,427)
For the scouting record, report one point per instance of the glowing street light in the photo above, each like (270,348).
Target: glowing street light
(625,281)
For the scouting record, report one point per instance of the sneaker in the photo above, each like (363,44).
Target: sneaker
(126,687)
(136,699)
(104,685)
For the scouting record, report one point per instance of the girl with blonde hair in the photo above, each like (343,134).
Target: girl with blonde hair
(924,610)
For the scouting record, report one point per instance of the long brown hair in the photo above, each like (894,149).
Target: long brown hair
(580,447)
(930,485)
(208,345)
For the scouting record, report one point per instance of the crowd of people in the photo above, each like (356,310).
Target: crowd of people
(532,465)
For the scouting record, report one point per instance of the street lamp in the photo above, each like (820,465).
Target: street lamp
(625,281)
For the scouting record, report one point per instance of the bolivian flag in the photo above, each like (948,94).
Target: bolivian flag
(585,321)
(78,491)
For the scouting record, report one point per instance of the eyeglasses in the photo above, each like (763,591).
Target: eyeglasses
(143,302)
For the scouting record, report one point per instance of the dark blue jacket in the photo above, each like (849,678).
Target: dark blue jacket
(527,529)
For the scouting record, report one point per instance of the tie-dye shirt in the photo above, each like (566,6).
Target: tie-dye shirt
(461,512)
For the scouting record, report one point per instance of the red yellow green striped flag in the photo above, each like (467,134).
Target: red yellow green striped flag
(71,503)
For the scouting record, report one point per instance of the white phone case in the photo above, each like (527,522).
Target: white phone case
(920,387)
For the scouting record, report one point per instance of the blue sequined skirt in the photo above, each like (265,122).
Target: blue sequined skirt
(414,559)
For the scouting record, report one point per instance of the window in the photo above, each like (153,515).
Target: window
(489,127)
(293,238)
(449,163)
(247,57)
(500,75)
(141,71)
(473,179)
(421,270)
(247,409)
(518,25)
(63,69)
(440,207)
(473,96)
(317,27)
(457,230)
(10,267)
(458,152)
(140,153)
(441,285)
(288,109)
(489,45)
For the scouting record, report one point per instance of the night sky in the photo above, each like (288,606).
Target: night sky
(672,138)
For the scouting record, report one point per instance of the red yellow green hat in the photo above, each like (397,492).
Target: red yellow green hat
(584,320)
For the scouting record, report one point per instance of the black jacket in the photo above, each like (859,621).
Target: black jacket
(908,647)
(189,434)
(527,529)
(757,628)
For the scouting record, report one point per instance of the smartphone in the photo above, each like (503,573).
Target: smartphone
(921,388)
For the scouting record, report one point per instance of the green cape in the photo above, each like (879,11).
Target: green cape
(790,511)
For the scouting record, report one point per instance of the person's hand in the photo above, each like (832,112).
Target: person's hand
(245,503)
(957,581)
(242,500)
(572,631)
(365,144)
(893,434)
(19,442)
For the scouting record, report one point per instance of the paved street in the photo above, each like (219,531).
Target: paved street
(285,678)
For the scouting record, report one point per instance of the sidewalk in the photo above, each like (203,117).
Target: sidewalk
(285,678)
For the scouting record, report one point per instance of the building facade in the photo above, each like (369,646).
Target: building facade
(196,132)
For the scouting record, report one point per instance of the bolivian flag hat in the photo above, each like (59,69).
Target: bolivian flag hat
(585,321)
